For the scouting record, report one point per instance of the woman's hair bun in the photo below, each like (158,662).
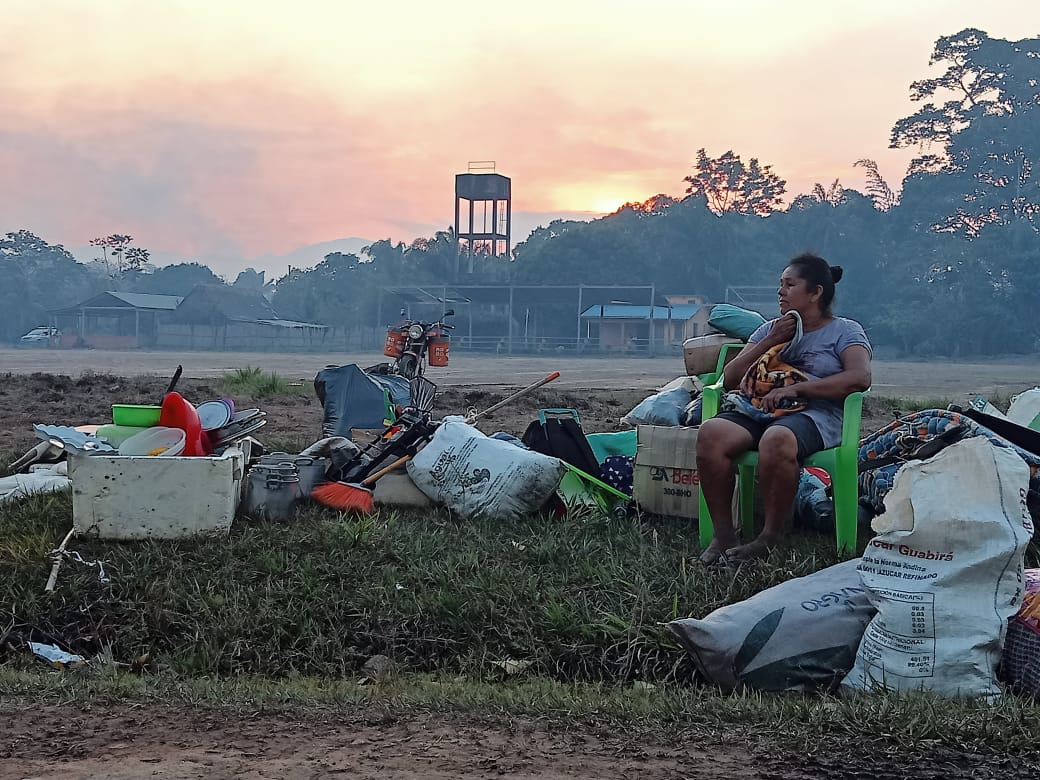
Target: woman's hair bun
(836,273)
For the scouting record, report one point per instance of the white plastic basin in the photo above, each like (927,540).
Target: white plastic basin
(158,440)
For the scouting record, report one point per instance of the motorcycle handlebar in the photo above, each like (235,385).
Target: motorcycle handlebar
(440,323)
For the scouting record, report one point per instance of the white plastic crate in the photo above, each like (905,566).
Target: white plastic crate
(140,497)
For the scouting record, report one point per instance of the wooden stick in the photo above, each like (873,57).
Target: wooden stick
(385,470)
(554,375)
(58,555)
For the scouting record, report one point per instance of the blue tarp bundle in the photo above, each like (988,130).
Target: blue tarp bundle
(353,399)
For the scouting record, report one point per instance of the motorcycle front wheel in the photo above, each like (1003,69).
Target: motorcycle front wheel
(381,369)
(408,366)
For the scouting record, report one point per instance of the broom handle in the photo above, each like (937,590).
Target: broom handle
(514,396)
(385,470)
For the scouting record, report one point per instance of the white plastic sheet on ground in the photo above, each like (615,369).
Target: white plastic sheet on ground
(945,572)
(475,475)
(42,480)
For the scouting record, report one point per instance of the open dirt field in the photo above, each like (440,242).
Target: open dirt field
(901,379)
(76,387)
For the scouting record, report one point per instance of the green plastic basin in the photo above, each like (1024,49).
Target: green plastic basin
(136,415)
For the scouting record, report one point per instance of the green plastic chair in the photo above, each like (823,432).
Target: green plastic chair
(712,377)
(840,462)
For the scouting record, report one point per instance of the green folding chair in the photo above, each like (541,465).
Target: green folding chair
(840,462)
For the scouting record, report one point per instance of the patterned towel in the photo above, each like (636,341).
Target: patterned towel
(766,374)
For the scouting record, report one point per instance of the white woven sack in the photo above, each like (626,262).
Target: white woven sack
(475,475)
(945,572)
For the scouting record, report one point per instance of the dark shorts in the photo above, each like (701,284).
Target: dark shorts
(801,425)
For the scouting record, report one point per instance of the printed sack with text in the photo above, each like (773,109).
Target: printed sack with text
(475,475)
(945,572)
(800,635)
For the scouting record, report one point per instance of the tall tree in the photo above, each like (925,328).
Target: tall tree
(878,189)
(176,279)
(984,136)
(38,276)
(729,185)
(125,259)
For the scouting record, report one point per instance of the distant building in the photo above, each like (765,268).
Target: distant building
(626,327)
(114,320)
(233,319)
(211,316)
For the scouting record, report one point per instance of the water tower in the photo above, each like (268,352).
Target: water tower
(481,185)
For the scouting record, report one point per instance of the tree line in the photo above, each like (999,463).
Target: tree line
(945,266)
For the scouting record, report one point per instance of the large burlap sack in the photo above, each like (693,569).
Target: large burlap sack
(800,635)
(473,474)
(945,572)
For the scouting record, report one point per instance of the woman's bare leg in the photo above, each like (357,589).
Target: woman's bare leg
(719,442)
(778,473)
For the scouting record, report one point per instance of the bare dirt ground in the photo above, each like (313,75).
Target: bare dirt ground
(901,379)
(176,742)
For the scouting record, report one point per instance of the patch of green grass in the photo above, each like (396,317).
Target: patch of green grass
(254,382)
(287,613)
(575,598)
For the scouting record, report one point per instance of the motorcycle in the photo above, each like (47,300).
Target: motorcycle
(414,344)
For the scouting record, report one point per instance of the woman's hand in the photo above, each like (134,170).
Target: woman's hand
(783,330)
(775,398)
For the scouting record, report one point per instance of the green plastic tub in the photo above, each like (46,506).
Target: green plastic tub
(136,415)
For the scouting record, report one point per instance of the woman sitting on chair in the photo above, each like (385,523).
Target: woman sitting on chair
(833,354)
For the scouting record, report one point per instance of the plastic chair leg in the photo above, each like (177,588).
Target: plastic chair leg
(746,500)
(846,509)
(706,528)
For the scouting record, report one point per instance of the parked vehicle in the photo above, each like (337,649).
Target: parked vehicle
(41,337)
(413,344)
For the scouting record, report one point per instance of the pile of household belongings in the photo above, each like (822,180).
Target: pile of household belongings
(939,601)
(413,460)
(925,433)
(450,463)
(174,428)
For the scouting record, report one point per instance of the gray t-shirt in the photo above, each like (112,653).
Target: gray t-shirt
(818,355)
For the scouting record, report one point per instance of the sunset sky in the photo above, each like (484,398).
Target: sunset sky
(230,130)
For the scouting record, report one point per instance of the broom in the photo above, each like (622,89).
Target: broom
(353,497)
